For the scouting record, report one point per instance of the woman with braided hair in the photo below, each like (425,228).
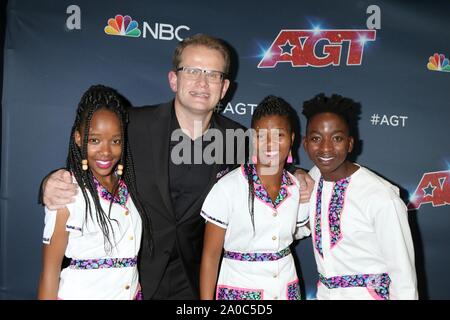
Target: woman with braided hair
(101,231)
(253,214)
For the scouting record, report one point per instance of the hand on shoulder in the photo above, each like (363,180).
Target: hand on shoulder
(59,190)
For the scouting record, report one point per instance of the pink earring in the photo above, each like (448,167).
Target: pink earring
(289,159)
(254,159)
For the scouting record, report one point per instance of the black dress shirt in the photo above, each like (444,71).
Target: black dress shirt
(187,181)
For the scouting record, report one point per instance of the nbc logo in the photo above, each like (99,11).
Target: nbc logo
(438,62)
(122,26)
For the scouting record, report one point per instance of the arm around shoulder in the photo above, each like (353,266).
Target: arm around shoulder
(57,190)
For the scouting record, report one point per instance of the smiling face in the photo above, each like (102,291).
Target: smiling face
(273,141)
(328,143)
(198,96)
(104,147)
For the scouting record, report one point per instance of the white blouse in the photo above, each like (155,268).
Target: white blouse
(93,274)
(275,224)
(360,233)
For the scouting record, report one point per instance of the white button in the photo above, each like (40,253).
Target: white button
(274,238)
(131,238)
(274,214)
(275,276)
(275,298)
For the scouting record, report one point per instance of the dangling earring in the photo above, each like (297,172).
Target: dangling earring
(289,159)
(254,159)
(119,169)
(84,164)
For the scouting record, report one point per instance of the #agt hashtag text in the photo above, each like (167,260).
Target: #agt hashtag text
(388,120)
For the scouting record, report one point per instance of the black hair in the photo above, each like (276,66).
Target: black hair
(273,106)
(345,108)
(269,106)
(99,97)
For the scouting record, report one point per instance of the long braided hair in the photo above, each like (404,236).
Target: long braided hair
(269,106)
(95,98)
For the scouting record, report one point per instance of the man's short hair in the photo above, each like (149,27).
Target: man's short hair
(202,40)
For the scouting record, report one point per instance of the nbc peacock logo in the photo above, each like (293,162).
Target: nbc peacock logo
(438,62)
(122,26)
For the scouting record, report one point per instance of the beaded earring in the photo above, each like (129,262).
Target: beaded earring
(84,164)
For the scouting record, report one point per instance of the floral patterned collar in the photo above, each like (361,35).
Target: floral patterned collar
(334,213)
(262,194)
(122,195)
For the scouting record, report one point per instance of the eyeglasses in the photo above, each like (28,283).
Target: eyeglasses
(193,73)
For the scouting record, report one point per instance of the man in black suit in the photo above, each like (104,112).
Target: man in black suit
(173,192)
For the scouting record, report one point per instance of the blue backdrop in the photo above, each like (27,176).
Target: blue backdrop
(388,55)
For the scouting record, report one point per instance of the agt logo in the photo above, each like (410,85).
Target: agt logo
(438,62)
(240,108)
(127,27)
(316,47)
(434,188)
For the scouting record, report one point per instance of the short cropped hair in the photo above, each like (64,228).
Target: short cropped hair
(205,40)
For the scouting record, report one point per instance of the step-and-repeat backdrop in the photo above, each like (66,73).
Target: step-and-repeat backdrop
(391,56)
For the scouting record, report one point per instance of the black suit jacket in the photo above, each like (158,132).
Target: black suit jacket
(149,137)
